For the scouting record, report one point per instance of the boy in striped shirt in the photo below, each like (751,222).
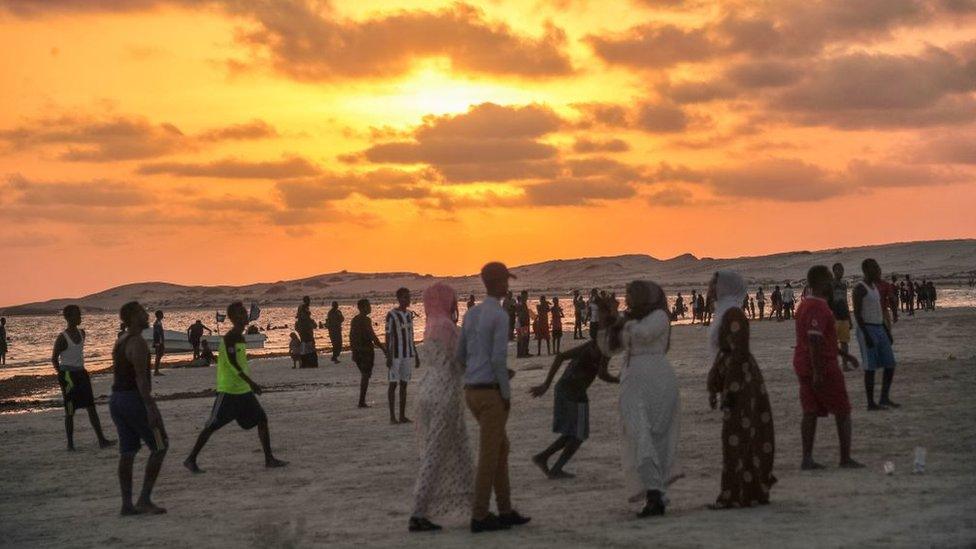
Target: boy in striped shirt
(401,355)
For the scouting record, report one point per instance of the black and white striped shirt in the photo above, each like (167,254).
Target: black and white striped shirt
(399,334)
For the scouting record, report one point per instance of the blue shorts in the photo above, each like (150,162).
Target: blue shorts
(132,423)
(880,355)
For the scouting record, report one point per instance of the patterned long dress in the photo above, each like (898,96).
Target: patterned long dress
(748,442)
(445,481)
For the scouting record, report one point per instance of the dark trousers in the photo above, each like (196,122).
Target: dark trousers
(335,337)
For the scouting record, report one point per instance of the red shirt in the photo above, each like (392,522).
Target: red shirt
(887,291)
(814,317)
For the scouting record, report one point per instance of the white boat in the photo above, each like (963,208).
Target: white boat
(177,342)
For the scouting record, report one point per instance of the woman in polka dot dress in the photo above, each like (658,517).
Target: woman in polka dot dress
(736,384)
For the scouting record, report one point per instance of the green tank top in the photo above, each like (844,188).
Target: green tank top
(228,380)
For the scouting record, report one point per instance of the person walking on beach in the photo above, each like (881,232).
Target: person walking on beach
(194,334)
(134,411)
(736,385)
(363,342)
(401,353)
(3,341)
(483,353)
(556,327)
(445,481)
(579,313)
(305,327)
(236,393)
(874,336)
(761,301)
(571,405)
(822,387)
(649,400)
(842,316)
(789,301)
(69,364)
(542,327)
(159,342)
(333,323)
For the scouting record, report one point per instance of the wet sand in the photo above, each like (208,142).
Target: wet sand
(351,473)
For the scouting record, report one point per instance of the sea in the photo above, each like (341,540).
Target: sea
(31,338)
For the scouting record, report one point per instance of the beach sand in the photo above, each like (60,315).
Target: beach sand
(351,473)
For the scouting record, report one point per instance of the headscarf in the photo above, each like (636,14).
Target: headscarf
(730,292)
(646,297)
(439,303)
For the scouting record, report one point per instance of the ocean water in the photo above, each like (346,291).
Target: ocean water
(31,338)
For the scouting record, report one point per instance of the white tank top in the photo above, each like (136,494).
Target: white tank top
(73,357)
(871,312)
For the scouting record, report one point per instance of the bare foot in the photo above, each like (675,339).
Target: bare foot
(106,443)
(393,421)
(363,405)
(192,466)
(274,463)
(128,511)
(810,465)
(149,508)
(540,462)
(405,420)
(851,464)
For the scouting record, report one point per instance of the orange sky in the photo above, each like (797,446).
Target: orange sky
(233,141)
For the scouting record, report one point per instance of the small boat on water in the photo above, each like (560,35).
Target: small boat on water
(177,342)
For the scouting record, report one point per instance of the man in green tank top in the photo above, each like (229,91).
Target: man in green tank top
(236,392)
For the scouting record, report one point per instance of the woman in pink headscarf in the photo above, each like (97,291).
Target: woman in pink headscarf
(446,478)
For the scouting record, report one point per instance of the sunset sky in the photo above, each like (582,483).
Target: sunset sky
(235,141)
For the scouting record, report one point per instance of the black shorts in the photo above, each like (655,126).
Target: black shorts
(364,361)
(245,409)
(132,423)
(77,390)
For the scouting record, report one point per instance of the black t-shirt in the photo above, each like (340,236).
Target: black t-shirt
(123,371)
(361,334)
(584,363)
(838,301)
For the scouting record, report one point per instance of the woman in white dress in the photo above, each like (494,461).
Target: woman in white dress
(649,401)
(446,478)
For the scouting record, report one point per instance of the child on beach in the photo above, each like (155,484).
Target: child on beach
(571,405)
(295,350)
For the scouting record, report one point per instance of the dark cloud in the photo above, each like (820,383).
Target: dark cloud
(577,191)
(99,193)
(376,184)
(670,197)
(460,151)
(764,73)
(586,145)
(602,114)
(654,46)
(647,116)
(661,118)
(309,42)
(782,180)
(698,92)
(489,120)
(121,138)
(946,148)
(234,168)
(868,174)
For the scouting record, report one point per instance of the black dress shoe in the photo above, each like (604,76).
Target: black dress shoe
(490,523)
(420,524)
(513,518)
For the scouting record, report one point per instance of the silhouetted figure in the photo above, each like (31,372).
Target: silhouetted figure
(305,327)
(363,342)
(761,301)
(333,323)
(194,334)
(522,322)
(295,350)
(401,353)
(159,341)
(789,301)
(556,328)
(508,305)
(579,314)
(542,327)
(777,301)
(842,316)
(3,341)
(593,312)
(471,301)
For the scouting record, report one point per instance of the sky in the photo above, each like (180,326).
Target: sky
(235,141)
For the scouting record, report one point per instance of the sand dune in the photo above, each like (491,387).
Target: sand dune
(943,259)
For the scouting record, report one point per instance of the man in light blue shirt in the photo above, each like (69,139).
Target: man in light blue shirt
(483,350)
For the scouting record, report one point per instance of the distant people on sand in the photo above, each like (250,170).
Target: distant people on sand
(556,327)
(159,342)
(679,307)
(571,404)
(295,350)
(593,312)
(194,334)
(363,342)
(761,302)
(700,306)
(736,386)
(236,393)
(305,327)
(542,332)
(333,323)
(842,316)
(401,355)
(649,401)
(822,387)
(134,411)
(445,481)
(776,299)
(789,301)
(579,315)
(69,364)
(3,341)
(874,336)
(522,322)
(483,354)
(752,308)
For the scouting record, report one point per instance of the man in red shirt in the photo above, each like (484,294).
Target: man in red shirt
(822,387)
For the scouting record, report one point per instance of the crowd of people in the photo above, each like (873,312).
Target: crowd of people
(467,366)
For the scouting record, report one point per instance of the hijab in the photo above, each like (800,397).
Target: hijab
(440,301)
(730,292)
